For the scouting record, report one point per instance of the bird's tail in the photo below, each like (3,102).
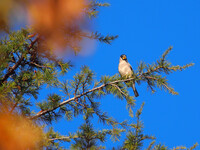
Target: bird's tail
(135,90)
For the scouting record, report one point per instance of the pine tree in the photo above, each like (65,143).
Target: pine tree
(29,65)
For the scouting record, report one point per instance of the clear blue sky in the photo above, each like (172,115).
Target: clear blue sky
(146,28)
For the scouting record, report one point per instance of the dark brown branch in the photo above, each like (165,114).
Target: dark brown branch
(14,106)
(13,68)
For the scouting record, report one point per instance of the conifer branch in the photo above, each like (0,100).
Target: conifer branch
(79,103)
(14,67)
(119,90)
(60,138)
(149,75)
(11,70)
(37,65)
(194,146)
(164,84)
(14,106)
(41,113)
(150,145)
(179,148)
(65,102)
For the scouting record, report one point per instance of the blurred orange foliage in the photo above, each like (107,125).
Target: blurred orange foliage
(17,133)
(58,21)
(60,24)
(5,8)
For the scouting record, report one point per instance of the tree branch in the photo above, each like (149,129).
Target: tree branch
(152,78)
(37,65)
(119,89)
(61,138)
(65,102)
(13,68)
(39,114)
(14,106)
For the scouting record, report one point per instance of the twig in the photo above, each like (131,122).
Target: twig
(119,89)
(37,65)
(61,66)
(154,70)
(148,77)
(79,103)
(14,106)
(61,138)
(13,68)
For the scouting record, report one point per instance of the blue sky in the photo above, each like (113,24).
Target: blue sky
(146,29)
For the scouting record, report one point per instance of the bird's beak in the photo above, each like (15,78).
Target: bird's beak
(124,57)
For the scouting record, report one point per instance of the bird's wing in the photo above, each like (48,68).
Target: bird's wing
(130,67)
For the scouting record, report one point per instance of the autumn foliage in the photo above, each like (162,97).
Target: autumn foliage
(58,22)
(18,133)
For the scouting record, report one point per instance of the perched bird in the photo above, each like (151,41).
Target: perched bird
(126,70)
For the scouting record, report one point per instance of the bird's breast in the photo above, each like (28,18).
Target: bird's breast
(124,69)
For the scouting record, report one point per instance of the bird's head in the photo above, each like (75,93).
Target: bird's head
(123,57)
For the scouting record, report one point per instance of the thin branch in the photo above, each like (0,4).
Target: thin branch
(148,81)
(13,68)
(148,77)
(61,138)
(65,102)
(37,65)
(79,103)
(14,106)
(61,66)
(119,89)
(154,70)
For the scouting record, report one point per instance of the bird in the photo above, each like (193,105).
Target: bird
(125,70)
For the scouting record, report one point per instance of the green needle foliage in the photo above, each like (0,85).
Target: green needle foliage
(87,138)
(135,137)
(27,67)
